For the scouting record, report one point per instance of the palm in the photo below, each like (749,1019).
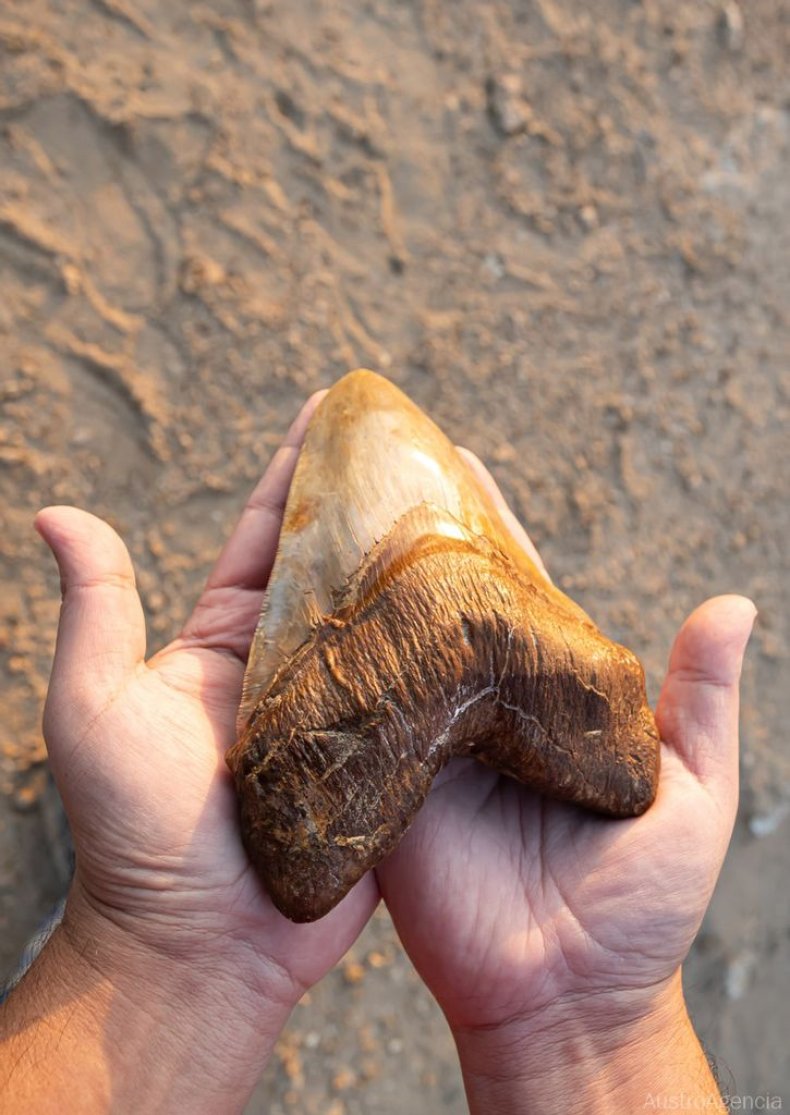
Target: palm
(138,750)
(167,812)
(495,890)
(506,901)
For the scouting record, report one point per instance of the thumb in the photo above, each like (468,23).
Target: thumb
(101,632)
(697,710)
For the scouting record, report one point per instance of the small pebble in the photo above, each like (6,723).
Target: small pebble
(738,974)
(506,106)
(765,824)
(731,25)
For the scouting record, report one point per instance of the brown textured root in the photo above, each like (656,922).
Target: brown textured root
(439,646)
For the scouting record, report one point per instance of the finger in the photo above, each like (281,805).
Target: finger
(697,710)
(101,632)
(510,520)
(227,611)
(247,557)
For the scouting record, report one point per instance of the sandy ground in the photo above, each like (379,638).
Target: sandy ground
(564,234)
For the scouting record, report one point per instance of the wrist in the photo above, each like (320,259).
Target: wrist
(141,1030)
(610,1052)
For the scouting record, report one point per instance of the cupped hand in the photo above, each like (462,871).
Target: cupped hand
(137,750)
(520,911)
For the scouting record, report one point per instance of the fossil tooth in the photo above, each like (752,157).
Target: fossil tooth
(403,625)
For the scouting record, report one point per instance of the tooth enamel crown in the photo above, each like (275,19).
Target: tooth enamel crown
(399,633)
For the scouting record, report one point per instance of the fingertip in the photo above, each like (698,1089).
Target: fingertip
(101,633)
(50,518)
(316,397)
(298,427)
(492,489)
(83,544)
(712,642)
(479,469)
(247,557)
(697,711)
(64,516)
(733,605)
(60,525)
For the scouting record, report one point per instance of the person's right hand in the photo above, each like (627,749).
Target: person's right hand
(550,935)
(173,973)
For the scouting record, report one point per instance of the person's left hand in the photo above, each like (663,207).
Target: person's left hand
(137,750)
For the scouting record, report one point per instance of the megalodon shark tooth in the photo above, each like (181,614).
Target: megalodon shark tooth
(404,625)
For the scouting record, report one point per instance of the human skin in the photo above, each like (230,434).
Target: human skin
(552,940)
(173,973)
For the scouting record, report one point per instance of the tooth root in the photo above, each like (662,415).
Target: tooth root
(399,632)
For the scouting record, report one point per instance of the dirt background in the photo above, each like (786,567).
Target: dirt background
(561,227)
